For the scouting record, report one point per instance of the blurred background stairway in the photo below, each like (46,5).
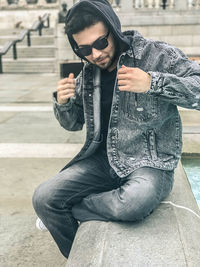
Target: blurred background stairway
(186,36)
(40,57)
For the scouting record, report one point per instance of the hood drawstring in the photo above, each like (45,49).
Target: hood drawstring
(136,95)
(82,74)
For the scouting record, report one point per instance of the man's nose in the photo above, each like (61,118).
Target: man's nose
(96,53)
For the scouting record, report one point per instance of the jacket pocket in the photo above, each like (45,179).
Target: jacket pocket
(140,107)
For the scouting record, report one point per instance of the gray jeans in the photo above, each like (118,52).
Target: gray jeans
(91,190)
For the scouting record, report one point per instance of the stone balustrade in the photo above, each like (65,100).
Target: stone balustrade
(28,4)
(119,5)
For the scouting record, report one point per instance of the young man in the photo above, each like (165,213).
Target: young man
(127,95)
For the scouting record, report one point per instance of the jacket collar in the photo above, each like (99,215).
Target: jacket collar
(137,42)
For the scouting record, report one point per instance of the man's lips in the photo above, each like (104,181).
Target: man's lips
(101,60)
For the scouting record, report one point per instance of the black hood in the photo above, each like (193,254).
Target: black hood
(104,9)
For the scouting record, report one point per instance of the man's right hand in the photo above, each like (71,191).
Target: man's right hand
(66,89)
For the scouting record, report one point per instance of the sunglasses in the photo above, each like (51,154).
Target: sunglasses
(99,44)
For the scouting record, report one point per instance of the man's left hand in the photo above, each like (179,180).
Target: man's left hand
(133,80)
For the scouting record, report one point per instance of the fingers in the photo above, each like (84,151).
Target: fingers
(124,88)
(123,77)
(66,89)
(71,76)
(123,69)
(67,80)
(63,96)
(133,80)
(125,73)
(122,82)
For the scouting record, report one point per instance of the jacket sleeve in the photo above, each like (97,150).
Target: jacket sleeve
(181,84)
(71,115)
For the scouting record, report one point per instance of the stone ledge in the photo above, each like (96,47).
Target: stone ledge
(168,237)
(159,18)
(191,144)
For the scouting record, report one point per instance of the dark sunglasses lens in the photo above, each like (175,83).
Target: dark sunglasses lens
(85,51)
(101,44)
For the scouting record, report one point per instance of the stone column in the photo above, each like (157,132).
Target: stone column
(142,3)
(190,4)
(150,3)
(3,3)
(197,4)
(41,3)
(22,3)
(171,4)
(181,5)
(70,3)
(126,5)
(157,4)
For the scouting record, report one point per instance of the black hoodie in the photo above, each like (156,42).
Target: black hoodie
(105,10)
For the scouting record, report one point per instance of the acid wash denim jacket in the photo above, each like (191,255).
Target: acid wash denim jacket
(145,128)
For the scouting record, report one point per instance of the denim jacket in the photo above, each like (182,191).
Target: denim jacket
(145,128)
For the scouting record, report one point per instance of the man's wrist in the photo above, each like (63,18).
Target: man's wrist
(156,82)
(63,106)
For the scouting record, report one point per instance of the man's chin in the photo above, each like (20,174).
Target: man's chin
(104,65)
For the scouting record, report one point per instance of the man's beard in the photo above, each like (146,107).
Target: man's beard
(113,60)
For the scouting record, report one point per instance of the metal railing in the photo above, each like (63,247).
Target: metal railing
(37,26)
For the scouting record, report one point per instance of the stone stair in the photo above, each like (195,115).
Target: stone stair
(190,117)
(191,130)
(38,58)
(186,37)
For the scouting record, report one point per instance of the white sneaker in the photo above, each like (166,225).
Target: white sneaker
(40,225)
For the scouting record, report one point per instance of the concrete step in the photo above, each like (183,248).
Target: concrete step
(190,117)
(163,30)
(35,40)
(37,65)
(193,129)
(191,51)
(15,31)
(180,40)
(191,144)
(33,52)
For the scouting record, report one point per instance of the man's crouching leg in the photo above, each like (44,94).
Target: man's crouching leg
(136,197)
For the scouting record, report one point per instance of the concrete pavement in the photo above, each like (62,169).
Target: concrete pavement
(33,148)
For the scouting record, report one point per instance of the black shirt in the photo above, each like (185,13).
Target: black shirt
(107,87)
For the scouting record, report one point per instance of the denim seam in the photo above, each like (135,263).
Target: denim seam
(158,196)
(71,222)
(66,200)
(161,187)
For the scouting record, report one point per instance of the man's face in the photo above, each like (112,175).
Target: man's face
(102,58)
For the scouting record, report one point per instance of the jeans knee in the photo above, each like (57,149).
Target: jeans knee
(36,199)
(132,214)
(136,210)
(40,199)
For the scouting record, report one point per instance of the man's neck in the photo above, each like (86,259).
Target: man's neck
(113,66)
